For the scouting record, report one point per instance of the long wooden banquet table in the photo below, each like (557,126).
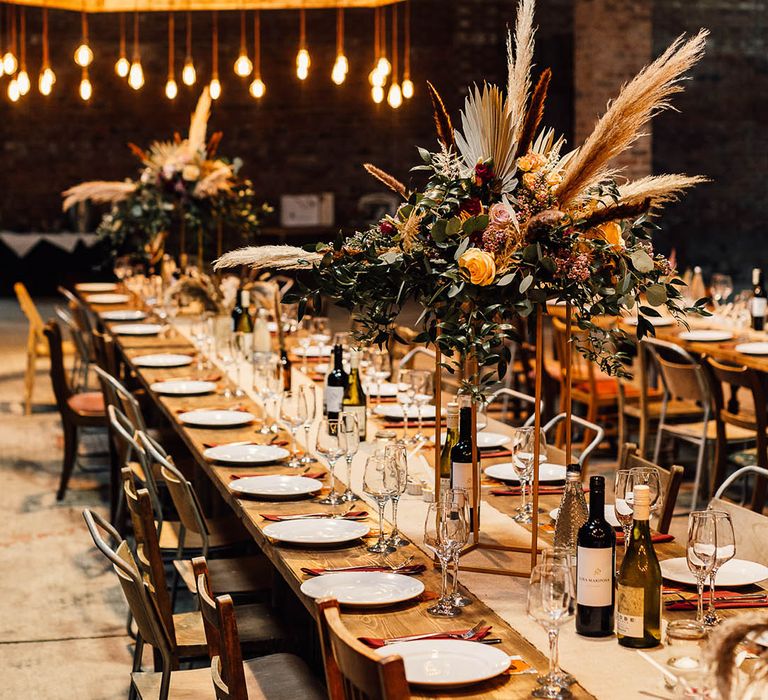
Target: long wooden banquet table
(602,668)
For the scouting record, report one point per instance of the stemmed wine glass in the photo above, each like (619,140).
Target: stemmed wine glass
(304,336)
(382,369)
(444,532)
(551,604)
(267,383)
(292,416)
(238,350)
(523,444)
(397,455)
(651,478)
(423,395)
(380,483)
(225,351)
(701,552)
(623,502)
(459,498)
(329,445)
(722,287)
(405,393)
(307,408)
(726,550)
(349,432)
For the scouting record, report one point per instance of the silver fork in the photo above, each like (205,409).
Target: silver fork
(464,635)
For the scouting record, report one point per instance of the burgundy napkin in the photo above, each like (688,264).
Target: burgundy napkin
(488,454)
(352,515)
(543,491)
(274,443)
(378,642)
(407,570)
(309,475)
(691,603)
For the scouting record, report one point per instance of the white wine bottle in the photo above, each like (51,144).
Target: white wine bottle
(354,400)
(638,599)
(451,438)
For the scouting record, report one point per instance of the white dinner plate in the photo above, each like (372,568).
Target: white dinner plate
(107,298)
(313,351)
(396,411)
(752,348)
(203,418)
(548,473)
(162,360)
(364,588)
(653,320)
(736,572)
(387,389)
(96,287)
(448,662)
(183,387)
(610,516)
(276,487)
(123,315)
(312,531)
(239,453)
(136,328)
(485,440)
(706,336)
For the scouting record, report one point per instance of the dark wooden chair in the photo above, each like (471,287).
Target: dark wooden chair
(77,409)
(352,670)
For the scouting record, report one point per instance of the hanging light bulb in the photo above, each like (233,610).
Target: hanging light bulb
(13,91)
(407,86)
(22,77)
(122,65)
(341,66)
(384,66)
(377,92)
(22,80)
(394,94)
(257,88)
(343,63)
(337,74)
(243,65)
(303,61)
(10,62)
(215,89)
(83,53)
(86,89)
(171,88)
(45,81)
(188,73)
(136,72)
(376,78)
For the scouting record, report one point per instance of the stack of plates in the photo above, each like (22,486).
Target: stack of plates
(96,287)
(548,473)
(395,411)
(706,336)
(752,348)
(123,315)
(736,572)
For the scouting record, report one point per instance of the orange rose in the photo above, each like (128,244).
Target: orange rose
(479,266)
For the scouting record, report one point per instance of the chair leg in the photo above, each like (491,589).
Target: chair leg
(70,456)
(29,379)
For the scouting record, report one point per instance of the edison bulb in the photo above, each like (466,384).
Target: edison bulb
(86,90)
(171,89)
(49,75)
(2,68)
(407,88)
(302,72)
(83,55)
(136,75)
(341,59)
(13,91)
(377,93)
(337,74)
(303,61)
(384,66)
(44,82)
(394,96)
(376,78)
(22,80)
(122,66)
(243,66)
(10,64)
(215,89)
(188,73)
(257,88)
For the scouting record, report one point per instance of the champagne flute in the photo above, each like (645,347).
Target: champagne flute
(459,498)
(623,502)
(701,552)
(308,409)
(551,603)
(397,455)
(379,482)
(423,395)
(349,432)
(726,550)
(405,393)
(330,447)
(443,531)
(292,416)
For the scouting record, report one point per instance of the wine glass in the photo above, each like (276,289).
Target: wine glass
(382,369)
(651,478)
(304,335)
(330,447)
(292,416)
(225,351)
(321,331)
(523,445)
(239,351)
(722,287)
(397,455)
(423,395)
(701,552)
(623,502)
(459,498)
(380,483)
(726,550)
(307,408)
(267,383)
(551,604)
(405,393)
(349,432)
(444,531)
(122,267)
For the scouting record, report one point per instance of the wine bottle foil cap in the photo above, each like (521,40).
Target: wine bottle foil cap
(597,483)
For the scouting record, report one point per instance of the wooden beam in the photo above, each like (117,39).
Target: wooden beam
(106,6)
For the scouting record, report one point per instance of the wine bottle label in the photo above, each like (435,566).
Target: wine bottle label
(334,395)
(445,484)
(594,571)
(630,611)
(461,476)
(759,306)
(359,413)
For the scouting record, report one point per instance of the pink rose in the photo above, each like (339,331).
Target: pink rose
(500,215)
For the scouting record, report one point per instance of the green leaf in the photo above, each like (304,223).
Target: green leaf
(641,261)
(527,281)
(453,226)
(461,249)
(504,281)
(426,156)
(656,294)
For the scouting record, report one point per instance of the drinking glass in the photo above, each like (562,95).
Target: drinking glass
(308,408)
(701,552)
(459,498)
(523,444)
(683,642)
(382,369)
(304,336)
(651,478)
(239,352)
(423,395)
(292,416)
(551,604)
(444,531)
(726,550)
(349,432)
(122,267)
(397,454)
(330,447)
(267,383)
(722,287)
(225,351)
(623,502)
(379,482)
(405,393)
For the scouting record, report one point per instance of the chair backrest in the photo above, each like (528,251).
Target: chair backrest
(411,358)
(150,558)
(75,332)
(750,530)
(599,434)
(505,395)
(104,351)
(222,637)
(352,670)
(671,479)
(116,394)
(30,310)
(682,377)
(582,369)
(61,387)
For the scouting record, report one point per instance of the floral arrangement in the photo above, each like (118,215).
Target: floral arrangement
(508,220)
(182,185)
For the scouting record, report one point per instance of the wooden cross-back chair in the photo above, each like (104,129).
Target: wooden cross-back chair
(280,676)
(352,670)
(82,319)
(671,479)
(105,353)
(77,377)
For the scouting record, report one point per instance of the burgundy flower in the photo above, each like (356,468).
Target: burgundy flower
(387,228)
(484,173)
(472,206)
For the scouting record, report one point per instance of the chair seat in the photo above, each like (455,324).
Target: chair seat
(675,409)
(41,348)
(608,387)
(89,403)
(273,677)
(225,531)
(694,430)
(244,574)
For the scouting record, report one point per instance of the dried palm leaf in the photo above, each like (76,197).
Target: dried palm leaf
(723,645)
(616,212)
(487,133)
(519,64)
(97,191)
(393,183)
(409,230)
(213,144)
(659,189)
(534,114)
(139,152)
(279,257)
(442,119)
(219,180)
(198,124)
(641,99)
